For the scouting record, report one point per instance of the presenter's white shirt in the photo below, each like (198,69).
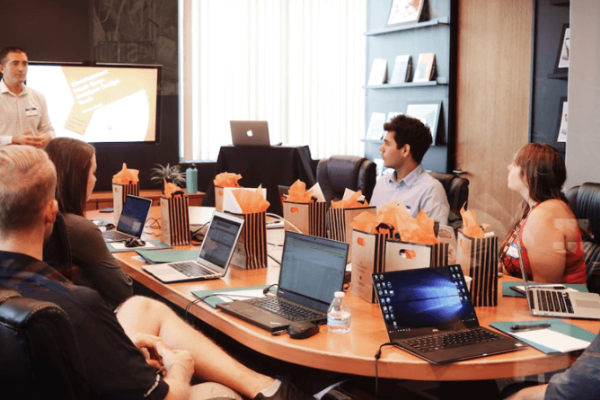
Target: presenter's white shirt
(26,112)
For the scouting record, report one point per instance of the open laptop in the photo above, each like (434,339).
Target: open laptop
(250,133)
(132,221)
(214,256)
(428,312)
(548,302)
(312,270)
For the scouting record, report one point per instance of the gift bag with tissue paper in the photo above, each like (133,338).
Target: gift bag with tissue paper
(251,205)
(124,182)
(221,181)
(175,216)
(477,253)
(369,236)
(306,210)
(417,245)
(340,216)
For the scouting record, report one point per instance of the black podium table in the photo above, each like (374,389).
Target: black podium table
(269,166)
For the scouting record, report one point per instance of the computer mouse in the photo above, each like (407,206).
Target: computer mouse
(302,330)
(134,243)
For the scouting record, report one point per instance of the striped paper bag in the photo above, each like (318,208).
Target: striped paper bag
(175,217)
(479,260)
(401,256)
(339,220)
(309,218)
(368,257)
(251,249)
(120,193)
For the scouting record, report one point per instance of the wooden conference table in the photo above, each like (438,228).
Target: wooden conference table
(351,353)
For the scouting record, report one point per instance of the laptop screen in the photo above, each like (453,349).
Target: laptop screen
(134,214)
(220,240)
(416,301)
(312,269)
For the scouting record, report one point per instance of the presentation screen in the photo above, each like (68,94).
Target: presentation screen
(103,103)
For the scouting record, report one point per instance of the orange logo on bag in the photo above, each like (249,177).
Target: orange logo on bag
(360,241)
(220,193)
(294,210)
(408,254)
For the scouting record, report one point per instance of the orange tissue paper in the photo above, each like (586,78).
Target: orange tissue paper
(170,188)
(470,226)
(126,176)
(227,179)
(351,202)
(251,201)
(411,230)
(298,194)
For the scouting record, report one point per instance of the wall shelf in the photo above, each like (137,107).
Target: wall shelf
(438,81)
(433,22)
(436,34)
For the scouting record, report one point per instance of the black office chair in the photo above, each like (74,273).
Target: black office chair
(584,200)
(38,352)
(337,173)
(457,191)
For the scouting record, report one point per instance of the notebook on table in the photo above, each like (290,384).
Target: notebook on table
(213,258)
(312,270)
(549,302)
(250,133)
(132,221)
(428,312)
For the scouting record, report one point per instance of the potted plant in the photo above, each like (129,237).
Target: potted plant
(172,173)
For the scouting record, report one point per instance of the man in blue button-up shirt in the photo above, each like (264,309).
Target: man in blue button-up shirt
(406,142)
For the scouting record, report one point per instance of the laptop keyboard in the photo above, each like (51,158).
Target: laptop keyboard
(291,311)
(115,235)
(190,269)
(553,301)
(445,341)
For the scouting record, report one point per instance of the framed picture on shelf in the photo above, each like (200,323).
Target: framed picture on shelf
(562,59)
(428,112)
(405,12)
(562,120)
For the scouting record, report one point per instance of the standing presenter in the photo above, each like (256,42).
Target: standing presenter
(23,111)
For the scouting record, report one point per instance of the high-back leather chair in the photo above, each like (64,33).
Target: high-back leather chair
(457,191)
(39,357)
(584,200)
(337,173)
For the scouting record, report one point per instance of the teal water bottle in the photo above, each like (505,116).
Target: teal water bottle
(191,179)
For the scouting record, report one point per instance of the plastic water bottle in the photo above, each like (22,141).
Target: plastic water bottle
(191,179)
(338,315)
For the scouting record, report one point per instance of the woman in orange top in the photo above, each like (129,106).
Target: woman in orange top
(547,230)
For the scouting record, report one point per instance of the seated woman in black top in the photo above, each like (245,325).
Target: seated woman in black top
(94,265)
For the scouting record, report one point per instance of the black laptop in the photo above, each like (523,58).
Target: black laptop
(312,270)
(428,312)
(132,221)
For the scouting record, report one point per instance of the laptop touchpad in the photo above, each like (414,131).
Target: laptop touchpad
(587,304)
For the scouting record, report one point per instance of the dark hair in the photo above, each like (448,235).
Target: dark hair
(73,160)
(411,131)
(543,170)
(6,50)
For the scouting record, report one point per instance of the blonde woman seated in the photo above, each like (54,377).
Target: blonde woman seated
(547,230)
